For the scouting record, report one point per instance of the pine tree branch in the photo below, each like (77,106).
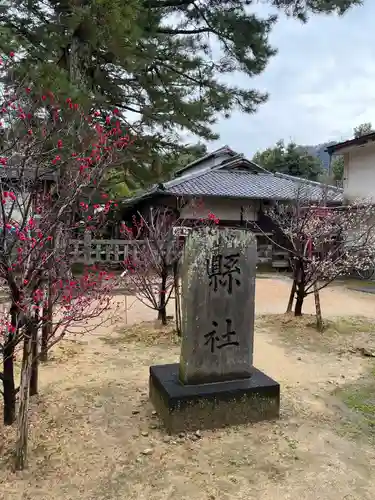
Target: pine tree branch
(171,31)
(157,4)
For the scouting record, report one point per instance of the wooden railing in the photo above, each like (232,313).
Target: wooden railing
(90,251)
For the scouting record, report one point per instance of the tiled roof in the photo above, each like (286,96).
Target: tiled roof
(241,178)
(217,152)
(244,184)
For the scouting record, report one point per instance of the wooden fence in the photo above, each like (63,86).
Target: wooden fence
(90,251)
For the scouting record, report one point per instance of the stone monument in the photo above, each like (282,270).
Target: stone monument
(215,384)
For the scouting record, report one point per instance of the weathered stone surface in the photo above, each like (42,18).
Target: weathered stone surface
(218,289)
(189,408)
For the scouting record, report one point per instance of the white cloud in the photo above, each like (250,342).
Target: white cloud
(321,83)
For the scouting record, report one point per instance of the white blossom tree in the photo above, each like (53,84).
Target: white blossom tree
(158,241)
(324,243)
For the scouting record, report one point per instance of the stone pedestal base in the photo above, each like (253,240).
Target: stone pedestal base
(184,408)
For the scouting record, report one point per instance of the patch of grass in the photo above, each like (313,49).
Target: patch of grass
(61,353)
(351,325)
(302,330)
(149,333)
(359,399)
(353,282)
(65,351)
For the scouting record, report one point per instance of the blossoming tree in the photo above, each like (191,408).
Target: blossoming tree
(53,159)
(158,240)
(323,244)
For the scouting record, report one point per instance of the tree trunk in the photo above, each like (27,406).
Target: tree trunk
(299,300)
(318,310)
(9,388)
(162,316)
(9,392)
(46,325)
(44,340)
(34,357)
(291,297)
(22,419)
(47,315)
(177,300)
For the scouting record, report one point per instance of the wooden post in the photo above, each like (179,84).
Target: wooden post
(291,296)
(318,310)
(177,293)
(87,247)
(24,396)
(126,309)
(108,251)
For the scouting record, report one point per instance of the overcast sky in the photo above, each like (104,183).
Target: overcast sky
(321,84)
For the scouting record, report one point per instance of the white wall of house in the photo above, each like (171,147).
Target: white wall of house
(223,209)
(359,172)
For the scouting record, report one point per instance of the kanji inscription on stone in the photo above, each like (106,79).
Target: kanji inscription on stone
(218,289)
(223,271)
(217,340)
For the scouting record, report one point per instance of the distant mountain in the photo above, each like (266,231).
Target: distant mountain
(319,152)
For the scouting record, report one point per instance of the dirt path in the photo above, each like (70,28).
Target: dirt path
(327,466)
(272,297)
(100,423)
